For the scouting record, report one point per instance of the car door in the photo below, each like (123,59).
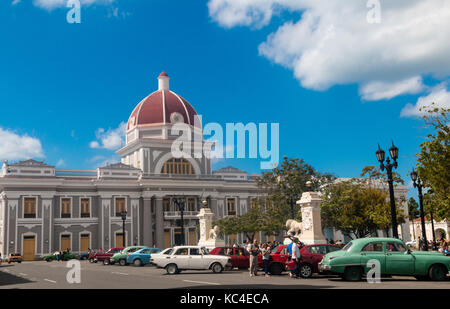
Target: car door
(181,258)
(243,257)
(398,259)
(373,251)
(196,259)
(145,256)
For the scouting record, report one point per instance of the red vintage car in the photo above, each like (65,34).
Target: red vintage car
(311,255)
(240,257)
(104,256)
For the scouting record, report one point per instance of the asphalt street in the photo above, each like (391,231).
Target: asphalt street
(43,275)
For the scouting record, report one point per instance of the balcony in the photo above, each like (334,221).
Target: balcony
(177,214)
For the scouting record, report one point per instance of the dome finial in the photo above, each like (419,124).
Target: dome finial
(163,81)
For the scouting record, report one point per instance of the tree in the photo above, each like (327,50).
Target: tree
(373,172)
(433,160)
(255,220)
(285,184)
(413,209)
(356,208)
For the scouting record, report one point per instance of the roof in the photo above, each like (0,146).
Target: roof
(31,163)
(229,170)
(163,107)
(119,166)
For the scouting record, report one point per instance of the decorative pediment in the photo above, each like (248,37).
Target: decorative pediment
(31,163)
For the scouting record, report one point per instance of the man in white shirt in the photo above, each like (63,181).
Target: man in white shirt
(295,255)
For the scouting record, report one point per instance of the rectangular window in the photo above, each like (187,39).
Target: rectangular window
(166,204)
(253,202)
(65,208)
(231,205)
(85,208)
(120,206)
(191,204)
(29,207)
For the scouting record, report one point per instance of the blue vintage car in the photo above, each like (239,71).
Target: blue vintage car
(142,256)
(353,261)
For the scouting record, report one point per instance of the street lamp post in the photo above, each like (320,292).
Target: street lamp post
(181,208)
(123,214)
(417,182)
(389,166)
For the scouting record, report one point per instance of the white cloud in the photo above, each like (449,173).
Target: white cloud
(16,147)
(375,91)
(53,4)
(334,44)
(60,163)
(15,2)
(438,95)
(111,139)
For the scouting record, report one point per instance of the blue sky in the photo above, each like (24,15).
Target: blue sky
(63,86)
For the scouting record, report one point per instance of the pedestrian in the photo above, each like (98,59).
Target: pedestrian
(61,256)
(294,253)
(266,251)
(254,251)
(57,255)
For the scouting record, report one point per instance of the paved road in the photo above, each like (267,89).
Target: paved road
(43,275)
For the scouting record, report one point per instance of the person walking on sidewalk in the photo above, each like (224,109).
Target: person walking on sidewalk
(266,251)
(254,251)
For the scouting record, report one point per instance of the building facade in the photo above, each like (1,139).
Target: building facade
(44,209)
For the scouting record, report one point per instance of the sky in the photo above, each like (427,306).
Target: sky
(339,79)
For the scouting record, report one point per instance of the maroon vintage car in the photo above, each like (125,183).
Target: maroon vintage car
(311,255)
(239,256)
(103,256)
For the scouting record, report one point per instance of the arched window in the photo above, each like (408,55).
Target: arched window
(178,167)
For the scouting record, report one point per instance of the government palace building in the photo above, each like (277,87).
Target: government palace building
(44,209)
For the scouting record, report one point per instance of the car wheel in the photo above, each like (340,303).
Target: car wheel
(172,269)
(122,262)
(306,271)
(276,269)
(137,262)
(91,260)
(9,262)
(217,268)
(20,261)
(106,262)
(437,273)
(353,273)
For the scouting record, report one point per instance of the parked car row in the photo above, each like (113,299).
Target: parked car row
(311,255)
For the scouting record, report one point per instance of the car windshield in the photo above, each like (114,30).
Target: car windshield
(347,246)
(167,251)
(204,251)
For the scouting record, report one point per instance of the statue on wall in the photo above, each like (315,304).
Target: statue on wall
(214,232)
(294,228)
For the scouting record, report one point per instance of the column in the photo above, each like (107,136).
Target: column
(11,224)
(147,223)
(46,225)
(159,232)
(105,204)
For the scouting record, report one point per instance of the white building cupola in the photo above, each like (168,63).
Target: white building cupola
(163,81)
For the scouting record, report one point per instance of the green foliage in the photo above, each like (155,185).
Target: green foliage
(373,172)
(357,208)
(284,185)
(433,161)
(258,218)
(413,209)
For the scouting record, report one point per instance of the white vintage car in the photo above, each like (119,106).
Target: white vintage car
(189,257)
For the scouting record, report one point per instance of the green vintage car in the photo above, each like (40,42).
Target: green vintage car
(66,257)
(395,259)
(121,256)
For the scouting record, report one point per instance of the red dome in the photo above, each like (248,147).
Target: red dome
(162,107)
